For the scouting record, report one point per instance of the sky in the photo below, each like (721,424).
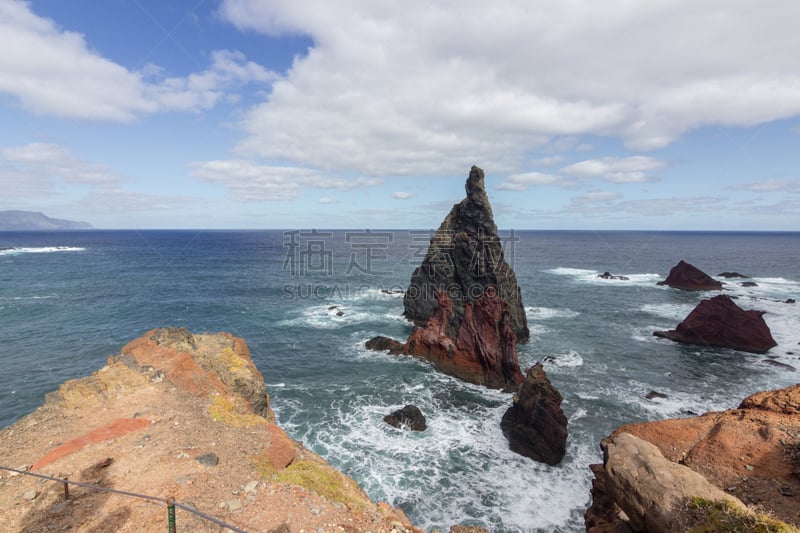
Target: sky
(298,114)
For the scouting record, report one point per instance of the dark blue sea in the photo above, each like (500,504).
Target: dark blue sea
(306,301)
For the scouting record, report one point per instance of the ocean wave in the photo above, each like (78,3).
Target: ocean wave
(592,276)
(569,359)
(546,313)
(41,250)
(335,315)
(46,297)
(668,310)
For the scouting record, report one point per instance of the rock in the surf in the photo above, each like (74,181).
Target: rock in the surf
(688,277)
(719,322)
(535,425)
(409,417)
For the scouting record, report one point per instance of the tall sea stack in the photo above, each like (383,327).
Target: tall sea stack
(464,297)
(465,257)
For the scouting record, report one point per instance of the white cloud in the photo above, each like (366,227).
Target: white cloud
(785,186)
(521,182)
(52,71)
(547,161)
(251,182)
(47,160)
(597,197)
(400,195)
(430,88)
(326,200)
(107,200)
(632,169)
(603,203)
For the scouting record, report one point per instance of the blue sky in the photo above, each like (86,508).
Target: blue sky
(663,115)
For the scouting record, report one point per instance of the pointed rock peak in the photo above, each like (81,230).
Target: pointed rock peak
(476,190)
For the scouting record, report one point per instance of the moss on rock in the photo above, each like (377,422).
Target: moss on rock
(716,516)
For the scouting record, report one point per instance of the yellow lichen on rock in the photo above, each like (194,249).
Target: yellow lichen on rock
(233,362)
(323,479)
(264,465)
(233,411)
(112,379)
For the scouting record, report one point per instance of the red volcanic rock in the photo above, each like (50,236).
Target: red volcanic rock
(535,425)
(690,278)
(720,322)
(484,350)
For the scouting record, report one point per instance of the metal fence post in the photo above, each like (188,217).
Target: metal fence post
(171,515)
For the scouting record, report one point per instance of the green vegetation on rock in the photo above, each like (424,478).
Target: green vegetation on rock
(723,517)
(322,479)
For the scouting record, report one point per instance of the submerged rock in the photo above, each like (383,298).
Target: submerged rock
(690,278)
(535,425)
(721,323)
(384,344)
(409,417)
(728,275)
(464,297)
(609,275)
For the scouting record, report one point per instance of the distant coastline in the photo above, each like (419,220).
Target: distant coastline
(34,221)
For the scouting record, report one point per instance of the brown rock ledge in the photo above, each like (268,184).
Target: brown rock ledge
(751,453)
(139,424)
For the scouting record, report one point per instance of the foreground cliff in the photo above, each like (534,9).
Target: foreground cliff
(675,475)
(182,416)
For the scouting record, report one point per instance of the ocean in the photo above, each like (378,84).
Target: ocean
(307,300)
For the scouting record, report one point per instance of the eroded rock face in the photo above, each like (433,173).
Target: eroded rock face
(535,425)
(690,278)
(720,322)
(483,350)
(651,490)
(465,257)
(752,453)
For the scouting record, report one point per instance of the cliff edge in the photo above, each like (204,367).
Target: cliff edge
(182,416)
(680,474)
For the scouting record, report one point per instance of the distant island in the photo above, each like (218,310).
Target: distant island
(33,221)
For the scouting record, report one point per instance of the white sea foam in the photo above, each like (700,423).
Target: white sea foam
(569,359)
(575,272)
(592,276)
(537,330)
(669,310)
(41,250)
(461,449)
(333,315)
(45,297)
(546,313)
